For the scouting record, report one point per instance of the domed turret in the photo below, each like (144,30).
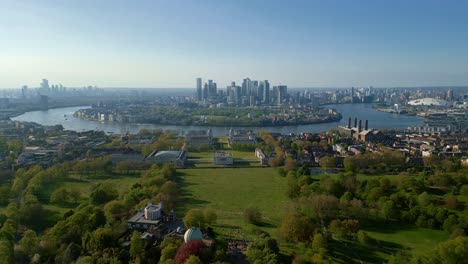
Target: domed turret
(193,234)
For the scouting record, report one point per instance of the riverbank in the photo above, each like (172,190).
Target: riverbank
(379,120)
(391,110)
(330,119)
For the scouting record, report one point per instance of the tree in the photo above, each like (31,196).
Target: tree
(194,218)
(450,252)
(319,242)
(200,218)
(168,252)
(15,145)
(168,194)
(388,210)
(321,207)
(263,250)
(210,216)
(103,193)
(89,153)
(351,164)
(60,196)
(193,260)
(451,202)
(296,228)
(72,252)
(292,188)
(136,245)
(7,255)
(74,195)
(8,230)
(331,186)
(363,237)
(4,194)
(188,249)
(327,162)
(253,215)
(424,199)
(85,260)
(32,215)
(12,211)
(289,165)
(28,242)
(98,240)
(344,228)
(114,210)
(450,223)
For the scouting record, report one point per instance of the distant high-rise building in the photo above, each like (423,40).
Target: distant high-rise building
(282,92)
(260,91)
(205,91)
(238,95)
(449,95)
(214,91)
(199,89)
(254,88)
(266,97)
(245,86)
(24,91)
(212,88)
(45,84)
(252,100)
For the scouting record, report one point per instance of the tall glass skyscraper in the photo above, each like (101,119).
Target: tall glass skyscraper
(199,89)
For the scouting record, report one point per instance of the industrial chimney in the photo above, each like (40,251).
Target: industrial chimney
(366,126)
(359,126)
(355,122)
(349,122)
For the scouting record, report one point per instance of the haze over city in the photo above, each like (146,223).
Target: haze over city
(167,44)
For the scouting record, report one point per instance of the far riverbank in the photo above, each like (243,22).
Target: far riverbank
(380,120)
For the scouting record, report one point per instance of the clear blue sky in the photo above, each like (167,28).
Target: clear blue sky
(112,43)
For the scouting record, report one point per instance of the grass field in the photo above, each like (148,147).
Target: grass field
(387,240)
(230,191)
(418,240)
(391,238)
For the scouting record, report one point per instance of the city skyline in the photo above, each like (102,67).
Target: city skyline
(167,45)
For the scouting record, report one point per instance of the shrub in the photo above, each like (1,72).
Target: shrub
(253,215)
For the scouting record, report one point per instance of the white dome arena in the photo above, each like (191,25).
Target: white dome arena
(429,102)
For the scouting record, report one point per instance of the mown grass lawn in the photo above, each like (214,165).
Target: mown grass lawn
(386,240)
(230,191)
(392,237)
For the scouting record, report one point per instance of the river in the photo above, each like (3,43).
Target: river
(64,117)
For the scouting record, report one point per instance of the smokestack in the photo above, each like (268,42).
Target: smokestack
(366,126)
(360,125)
(355,122)
(349,122)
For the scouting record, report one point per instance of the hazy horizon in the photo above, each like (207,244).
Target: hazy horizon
(164,44)
(290,88)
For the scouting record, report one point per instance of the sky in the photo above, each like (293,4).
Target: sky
(299,43)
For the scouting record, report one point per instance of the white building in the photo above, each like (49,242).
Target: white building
(430,102)
(223,158)
(153,212)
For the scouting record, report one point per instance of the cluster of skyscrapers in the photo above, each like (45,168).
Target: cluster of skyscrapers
(250,93)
